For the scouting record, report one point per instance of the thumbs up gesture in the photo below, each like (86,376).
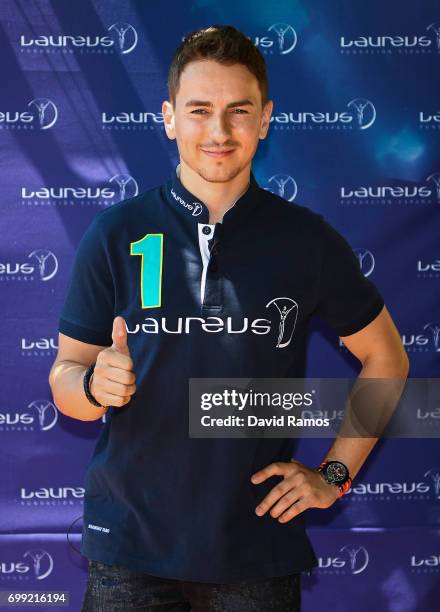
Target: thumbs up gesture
(119,336)
(113,379)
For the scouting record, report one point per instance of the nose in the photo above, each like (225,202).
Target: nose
(219,128)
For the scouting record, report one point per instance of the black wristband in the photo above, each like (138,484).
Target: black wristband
(86,381)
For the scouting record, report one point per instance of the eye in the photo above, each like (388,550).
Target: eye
(241,111)
(198,110)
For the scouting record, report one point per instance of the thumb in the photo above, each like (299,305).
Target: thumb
(119,336)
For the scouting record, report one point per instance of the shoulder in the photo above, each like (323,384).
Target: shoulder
(291,214)
(128,211)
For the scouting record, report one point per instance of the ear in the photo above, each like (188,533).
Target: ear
(265,119)
(168,119)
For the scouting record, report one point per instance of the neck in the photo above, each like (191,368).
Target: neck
(218,197)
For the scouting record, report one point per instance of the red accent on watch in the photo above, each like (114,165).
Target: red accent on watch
(343,488)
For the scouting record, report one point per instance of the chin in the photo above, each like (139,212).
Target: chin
(220,174)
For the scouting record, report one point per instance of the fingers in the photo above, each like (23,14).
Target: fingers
(294,510)
(113,381)
(293,496)
(294,482)
(119,336)
(295,501)
(279,468)
(117,373)
(111,393)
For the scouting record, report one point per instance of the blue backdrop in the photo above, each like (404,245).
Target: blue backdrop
(354,136)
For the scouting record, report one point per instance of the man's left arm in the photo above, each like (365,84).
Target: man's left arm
(379,348)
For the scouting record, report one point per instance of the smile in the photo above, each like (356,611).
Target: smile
(218,154)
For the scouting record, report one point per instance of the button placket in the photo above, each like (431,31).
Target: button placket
(212,299)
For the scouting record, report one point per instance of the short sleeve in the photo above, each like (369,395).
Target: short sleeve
(347,300)
(88,310)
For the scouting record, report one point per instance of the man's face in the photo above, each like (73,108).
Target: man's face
(218,119)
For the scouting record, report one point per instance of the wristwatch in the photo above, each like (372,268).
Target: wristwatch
(336,473)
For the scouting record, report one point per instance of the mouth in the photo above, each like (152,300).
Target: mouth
(218,154)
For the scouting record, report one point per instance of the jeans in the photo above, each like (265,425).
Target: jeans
(112,588)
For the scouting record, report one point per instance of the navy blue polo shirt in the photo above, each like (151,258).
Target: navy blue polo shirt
(202,300)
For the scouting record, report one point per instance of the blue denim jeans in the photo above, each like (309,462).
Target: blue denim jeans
(112,588)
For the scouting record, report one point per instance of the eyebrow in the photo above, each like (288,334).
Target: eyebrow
(245,102)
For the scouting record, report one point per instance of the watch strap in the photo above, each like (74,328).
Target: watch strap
(86,385)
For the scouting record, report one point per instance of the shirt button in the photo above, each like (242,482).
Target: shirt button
(213,267)
(206,230)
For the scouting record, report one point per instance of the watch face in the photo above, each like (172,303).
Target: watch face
(336,472)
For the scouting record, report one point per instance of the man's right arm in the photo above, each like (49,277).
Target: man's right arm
(66,378)
(113,381)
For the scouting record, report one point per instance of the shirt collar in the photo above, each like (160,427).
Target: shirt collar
(195,211)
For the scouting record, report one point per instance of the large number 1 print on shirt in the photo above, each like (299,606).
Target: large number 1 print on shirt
(150,248)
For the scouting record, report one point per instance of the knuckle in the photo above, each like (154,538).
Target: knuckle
(290,498)
(101,357)
(124,378)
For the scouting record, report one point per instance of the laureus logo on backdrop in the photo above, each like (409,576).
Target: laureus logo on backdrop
(42,115)
(282,325)
(429,120)
(423,342)
(132,120)
(428,487)
(38,564)
(51,496)
(118,188)
(419,342)
(428,269)
(42,415)
(366,260)
(43,267)
(400,44)
(38,347)
(121,38)
(353,560)
(361,115)
(283,185)
(433,474)
(282,39)
(420,564)
(427,192)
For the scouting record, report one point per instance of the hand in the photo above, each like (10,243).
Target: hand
(113,379)
(301,488)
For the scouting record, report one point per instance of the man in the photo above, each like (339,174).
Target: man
(208,275)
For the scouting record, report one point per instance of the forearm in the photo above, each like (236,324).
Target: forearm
(353,452)
(66,382)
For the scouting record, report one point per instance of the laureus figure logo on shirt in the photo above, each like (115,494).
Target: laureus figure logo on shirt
(285,307)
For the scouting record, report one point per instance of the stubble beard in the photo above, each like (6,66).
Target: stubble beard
(216,174)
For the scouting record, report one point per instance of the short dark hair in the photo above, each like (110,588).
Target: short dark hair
(221,43)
